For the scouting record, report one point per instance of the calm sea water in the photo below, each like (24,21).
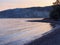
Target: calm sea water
(20,31)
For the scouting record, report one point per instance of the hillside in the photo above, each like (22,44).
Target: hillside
(32,12)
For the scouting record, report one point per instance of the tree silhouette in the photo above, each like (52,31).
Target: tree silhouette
(55,14)
(57,2)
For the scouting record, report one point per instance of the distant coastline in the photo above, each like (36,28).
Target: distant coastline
(31,12)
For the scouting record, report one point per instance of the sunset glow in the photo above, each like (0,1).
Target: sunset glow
(7,4)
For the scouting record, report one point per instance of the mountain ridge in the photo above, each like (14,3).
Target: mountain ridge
(32,12)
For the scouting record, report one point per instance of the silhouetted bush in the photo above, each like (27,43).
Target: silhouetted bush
(55,14)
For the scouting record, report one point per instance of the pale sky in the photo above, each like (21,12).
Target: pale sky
(7,4)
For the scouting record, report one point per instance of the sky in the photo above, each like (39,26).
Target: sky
(8,4)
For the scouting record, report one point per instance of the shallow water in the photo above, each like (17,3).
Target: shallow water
(19,31)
